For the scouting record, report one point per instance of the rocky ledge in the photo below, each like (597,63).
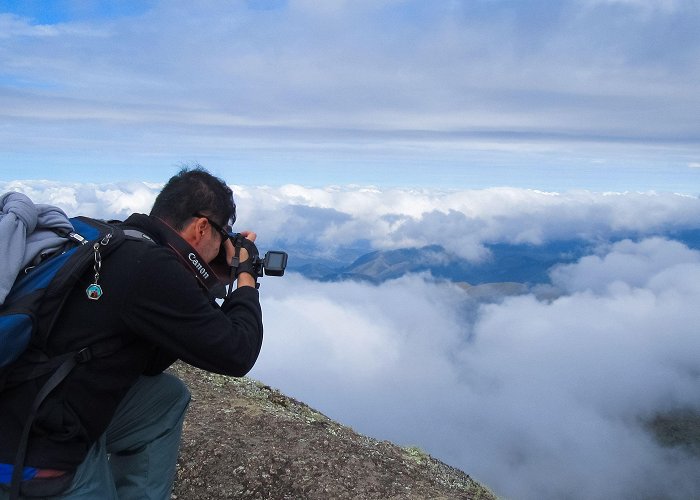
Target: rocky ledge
(243,439)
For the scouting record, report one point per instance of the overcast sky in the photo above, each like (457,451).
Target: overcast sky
(557,95)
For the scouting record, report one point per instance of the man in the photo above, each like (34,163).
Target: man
(111,429)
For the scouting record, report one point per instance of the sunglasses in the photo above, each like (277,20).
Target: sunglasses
(225,231)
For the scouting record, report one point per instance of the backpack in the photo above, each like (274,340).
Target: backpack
(33,305)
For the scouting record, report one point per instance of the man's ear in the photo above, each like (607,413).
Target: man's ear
(193,232)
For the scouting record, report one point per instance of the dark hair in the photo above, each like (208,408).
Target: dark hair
(191,191)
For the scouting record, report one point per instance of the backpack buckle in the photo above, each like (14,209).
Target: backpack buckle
(83,355)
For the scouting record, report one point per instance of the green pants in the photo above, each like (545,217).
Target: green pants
(136,457)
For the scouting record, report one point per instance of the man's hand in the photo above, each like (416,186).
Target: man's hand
(244,279)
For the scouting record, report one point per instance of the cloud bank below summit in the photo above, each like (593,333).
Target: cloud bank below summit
(538,399)
(323,220)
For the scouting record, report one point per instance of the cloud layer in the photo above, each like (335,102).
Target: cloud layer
(539,399)
(435,66)
(431,92)
(325,221)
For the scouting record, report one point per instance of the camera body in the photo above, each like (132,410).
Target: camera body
(273,263)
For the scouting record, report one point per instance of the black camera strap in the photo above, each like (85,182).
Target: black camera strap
(189,257)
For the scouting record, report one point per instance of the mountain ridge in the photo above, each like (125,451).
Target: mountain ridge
(525,263)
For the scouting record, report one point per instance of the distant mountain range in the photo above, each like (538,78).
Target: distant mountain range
(507,263)
(516,263)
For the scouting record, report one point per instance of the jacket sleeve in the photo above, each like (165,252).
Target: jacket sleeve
(170,310)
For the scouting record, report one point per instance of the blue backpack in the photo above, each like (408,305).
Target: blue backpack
(38,293)
(33,305)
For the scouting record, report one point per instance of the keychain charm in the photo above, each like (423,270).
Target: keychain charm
(94,291)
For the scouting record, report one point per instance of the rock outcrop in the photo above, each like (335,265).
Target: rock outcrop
(244,440)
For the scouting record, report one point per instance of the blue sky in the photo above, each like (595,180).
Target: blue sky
(554,95)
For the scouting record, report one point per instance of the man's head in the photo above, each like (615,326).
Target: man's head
(197,204)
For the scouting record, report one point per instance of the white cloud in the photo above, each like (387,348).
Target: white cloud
(462,221)
(16,26)
(665,6)
(107,201)
(628,263)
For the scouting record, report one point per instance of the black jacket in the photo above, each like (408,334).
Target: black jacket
(156,306)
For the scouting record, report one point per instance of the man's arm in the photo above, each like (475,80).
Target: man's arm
(169,309)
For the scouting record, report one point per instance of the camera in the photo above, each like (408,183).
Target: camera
(273,263)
